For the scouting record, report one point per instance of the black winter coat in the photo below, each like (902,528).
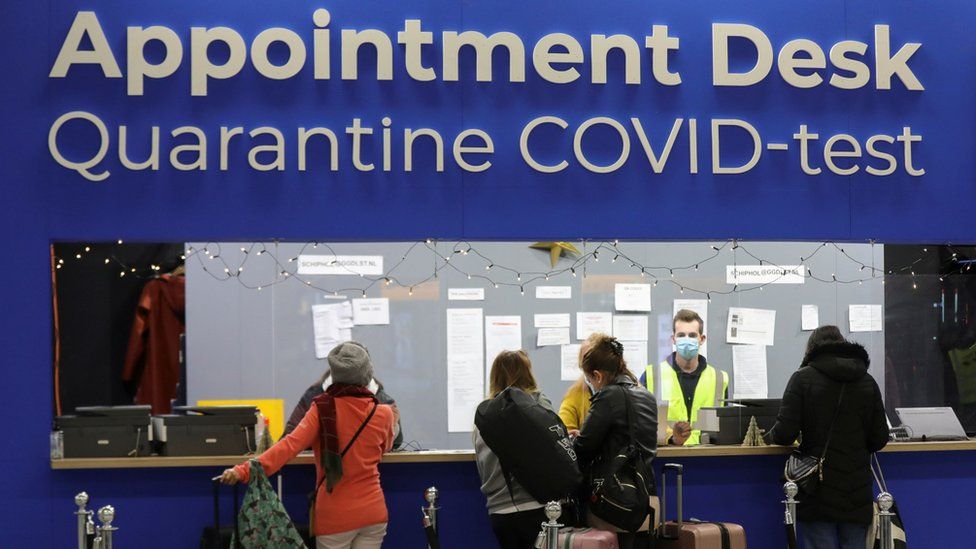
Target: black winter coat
(605,432)
(861,428)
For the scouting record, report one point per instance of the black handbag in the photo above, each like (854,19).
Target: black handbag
(806,471)
(619,495)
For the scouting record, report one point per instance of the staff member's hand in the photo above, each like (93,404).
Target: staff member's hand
(681,433)
(229,476)
(573,433)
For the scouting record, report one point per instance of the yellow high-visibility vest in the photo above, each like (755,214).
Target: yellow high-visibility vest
(707,394)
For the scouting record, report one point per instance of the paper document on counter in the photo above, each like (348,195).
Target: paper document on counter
(630,327)
(590,323)
(809,317)
(371,312)
(331,325)
(632,297)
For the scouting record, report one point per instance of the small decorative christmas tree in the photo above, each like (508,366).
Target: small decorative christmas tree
(754,435)
(265,441)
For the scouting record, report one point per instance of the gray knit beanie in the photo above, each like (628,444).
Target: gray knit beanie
(349,362)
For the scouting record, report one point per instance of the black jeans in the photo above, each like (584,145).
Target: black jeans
(517,530)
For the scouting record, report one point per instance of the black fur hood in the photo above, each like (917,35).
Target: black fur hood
(839,361)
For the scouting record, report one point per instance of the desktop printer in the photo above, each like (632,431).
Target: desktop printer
(728,424)
(106,431)
(206,431)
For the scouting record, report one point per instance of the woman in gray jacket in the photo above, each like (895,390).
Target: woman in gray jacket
(515,516)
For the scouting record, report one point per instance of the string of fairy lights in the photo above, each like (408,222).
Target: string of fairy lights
(212,260)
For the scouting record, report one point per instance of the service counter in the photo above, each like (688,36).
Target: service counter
(933,482)
(441,456)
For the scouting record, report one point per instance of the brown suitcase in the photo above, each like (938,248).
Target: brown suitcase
(694,534)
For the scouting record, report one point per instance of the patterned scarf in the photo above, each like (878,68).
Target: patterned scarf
(331,459)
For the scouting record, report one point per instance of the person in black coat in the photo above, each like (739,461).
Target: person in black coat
(606,428)
(840,512)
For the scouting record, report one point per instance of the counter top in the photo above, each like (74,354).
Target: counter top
(435,456)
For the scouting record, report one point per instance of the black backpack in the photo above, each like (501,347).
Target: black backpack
(531,444)
(619,486)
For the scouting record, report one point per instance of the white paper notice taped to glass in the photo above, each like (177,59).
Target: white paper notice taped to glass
(557,320)
(465,367)
(340,265)
(554,292)
(591,323)
(552,336)
(751,326)
(371,312)
(750,372)
(502,333)
(569,362)
(331,325)
(809,317)
(632,297)
(866,318)
(635,355)
(764,274)
(466,294)
(630,327)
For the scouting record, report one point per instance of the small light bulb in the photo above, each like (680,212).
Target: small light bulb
(226,270)
(77,256)
(121,274)
(364,293)
(308,282)
(182,257)
(614,260)
(573,271)
(672,272)
(106,261)
(489,266)
(410,291)
(518,276)
(496,285)
(387,281)
(133,269)
(87,248)
(522,290)
(120,241)
(58,266)
(469,277)
(682,290)
(60,262)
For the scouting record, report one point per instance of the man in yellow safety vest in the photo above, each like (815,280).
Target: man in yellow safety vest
(687,380)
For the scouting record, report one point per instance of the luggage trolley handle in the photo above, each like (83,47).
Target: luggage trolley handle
(216,508)
(679,473)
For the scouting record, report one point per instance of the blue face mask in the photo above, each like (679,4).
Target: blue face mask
(687,347)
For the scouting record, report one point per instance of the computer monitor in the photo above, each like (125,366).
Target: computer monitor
(935,423)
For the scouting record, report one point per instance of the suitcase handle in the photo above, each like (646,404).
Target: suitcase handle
(216,505)
(679,470)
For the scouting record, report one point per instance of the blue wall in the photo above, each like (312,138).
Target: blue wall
(44,202)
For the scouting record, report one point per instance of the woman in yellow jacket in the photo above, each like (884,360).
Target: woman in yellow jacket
(576,402)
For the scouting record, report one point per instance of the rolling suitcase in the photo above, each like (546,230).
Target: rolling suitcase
(586,538)
(217,536)
(694,534)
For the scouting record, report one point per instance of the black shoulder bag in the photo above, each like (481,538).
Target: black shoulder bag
(620,495)
(807,471)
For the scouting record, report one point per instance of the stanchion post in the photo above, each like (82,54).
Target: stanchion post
(430,496)
(83,516)
(885,502)
(549,534)
(106,515)
(791,490)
